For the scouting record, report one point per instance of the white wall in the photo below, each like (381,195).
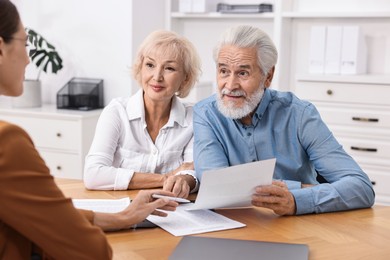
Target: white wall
(95,38)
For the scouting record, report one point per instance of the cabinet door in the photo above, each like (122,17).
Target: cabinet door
(355,116)
(50,133)
(368,148)
(64,165)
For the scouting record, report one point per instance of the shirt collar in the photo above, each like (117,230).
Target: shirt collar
(135,110)
(260,110)
(178,113)
(135,106)
(266,99)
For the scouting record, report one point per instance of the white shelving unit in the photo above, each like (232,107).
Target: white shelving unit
(355,107)
(344,101)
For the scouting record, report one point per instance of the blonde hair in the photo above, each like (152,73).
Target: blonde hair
(183,49)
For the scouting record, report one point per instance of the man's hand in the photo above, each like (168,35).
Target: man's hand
(276,197)
(179,185)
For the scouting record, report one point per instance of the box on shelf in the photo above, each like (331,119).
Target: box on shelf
(243,8)
(198,6)
(81,94)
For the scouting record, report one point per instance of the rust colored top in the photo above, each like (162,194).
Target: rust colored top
(34,213)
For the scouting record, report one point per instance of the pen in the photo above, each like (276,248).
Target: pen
(180,200)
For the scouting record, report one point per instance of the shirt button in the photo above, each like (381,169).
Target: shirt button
(154,151)
(249,134)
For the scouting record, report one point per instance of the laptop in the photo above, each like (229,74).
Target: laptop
(192,247)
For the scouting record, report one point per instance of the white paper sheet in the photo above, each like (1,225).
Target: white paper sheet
(233,186)
(183,222)
(102,205)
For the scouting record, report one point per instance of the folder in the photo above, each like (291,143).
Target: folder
(334,37)
(185,6)
(204,6)
(353,51)
(317,49)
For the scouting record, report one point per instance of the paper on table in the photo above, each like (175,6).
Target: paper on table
(183,222)
(233,186)
(102,205)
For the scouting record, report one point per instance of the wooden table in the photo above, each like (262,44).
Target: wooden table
(357,234)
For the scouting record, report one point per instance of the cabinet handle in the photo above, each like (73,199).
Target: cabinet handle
(365,119)
(364,149)
(329,92)
(59,135)
(59,167)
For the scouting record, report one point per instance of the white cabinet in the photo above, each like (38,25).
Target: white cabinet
(358,114)
(62,137)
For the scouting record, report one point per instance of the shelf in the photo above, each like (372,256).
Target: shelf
(215,15)
(336,15)
(49,111)
(379,79)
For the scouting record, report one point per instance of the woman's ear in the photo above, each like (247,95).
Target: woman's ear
(185,82)
(2,44)
(269,78)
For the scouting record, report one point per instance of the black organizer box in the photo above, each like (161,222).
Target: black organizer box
(81,94)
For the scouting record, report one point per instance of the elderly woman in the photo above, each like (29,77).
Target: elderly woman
(145,141)
(36,220)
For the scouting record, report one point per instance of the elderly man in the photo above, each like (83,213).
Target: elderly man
(246,121)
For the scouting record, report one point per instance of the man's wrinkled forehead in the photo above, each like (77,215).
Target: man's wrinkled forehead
(232,56)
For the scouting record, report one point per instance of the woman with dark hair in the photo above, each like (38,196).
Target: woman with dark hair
(35,217)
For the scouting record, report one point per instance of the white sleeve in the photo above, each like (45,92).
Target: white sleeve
(99,172)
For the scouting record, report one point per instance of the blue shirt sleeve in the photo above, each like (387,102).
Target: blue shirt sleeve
(209,153)
(348,188)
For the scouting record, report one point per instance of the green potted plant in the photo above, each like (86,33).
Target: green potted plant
(46,58)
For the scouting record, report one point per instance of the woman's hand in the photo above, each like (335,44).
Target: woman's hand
(142,206)
(185,166)
(145,205)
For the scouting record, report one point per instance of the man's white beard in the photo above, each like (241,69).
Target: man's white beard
(229,109)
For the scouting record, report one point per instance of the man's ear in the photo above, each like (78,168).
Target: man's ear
(269,78)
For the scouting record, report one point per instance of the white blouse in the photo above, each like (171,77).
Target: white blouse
(122,145)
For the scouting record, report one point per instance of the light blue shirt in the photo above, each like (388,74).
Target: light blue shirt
(292,131)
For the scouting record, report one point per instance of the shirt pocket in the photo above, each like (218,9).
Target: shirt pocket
(170,160)
(132,160)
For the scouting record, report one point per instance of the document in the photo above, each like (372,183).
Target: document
(183,222)
(233,186)
(102,205)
